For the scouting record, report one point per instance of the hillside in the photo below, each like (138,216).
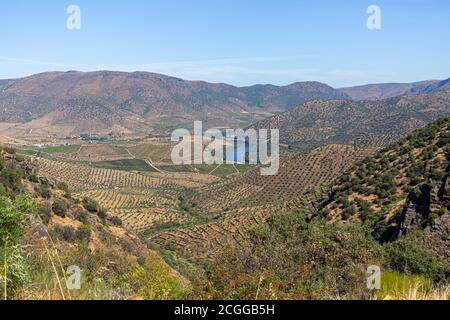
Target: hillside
(72,103)
(401,190)
(361,123)
(298,173)
(392,210)
(238,204)
(43,231)
(435,87)
(382,91)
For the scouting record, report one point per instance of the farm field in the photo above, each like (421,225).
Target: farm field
(231,230)
(140,199)
(226,197)
(247,200)
(298,173)
(124,164)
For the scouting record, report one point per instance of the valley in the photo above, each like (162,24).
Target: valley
(370,171)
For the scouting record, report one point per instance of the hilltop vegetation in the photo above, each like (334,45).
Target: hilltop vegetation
(401,190)
(363,123)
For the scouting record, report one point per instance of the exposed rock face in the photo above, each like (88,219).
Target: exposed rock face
(430,214)
(404,189)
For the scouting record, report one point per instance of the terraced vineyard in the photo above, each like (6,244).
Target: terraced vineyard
(298,173)
(141,200)
(248,200)
(102,152)
(206,239)
(81,177)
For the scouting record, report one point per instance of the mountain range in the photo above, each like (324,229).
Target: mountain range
(389,90)
(107,102)
(75,102)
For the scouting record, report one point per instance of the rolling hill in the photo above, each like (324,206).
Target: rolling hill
(382,91)
(102,102)
(361,123)
(401,190)
(434,87)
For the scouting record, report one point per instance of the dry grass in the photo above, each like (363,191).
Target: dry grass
(417,293)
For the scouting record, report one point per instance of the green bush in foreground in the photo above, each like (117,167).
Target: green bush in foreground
(407,256)
(290,258)
(13,265)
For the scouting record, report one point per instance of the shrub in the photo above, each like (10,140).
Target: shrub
(155,281)
(60,208)
(81,216)
(347,213)
(102,213)
(12,222)
(64,187)
(90,205)
(43,190)
(17,273)
(44,213)
(12,177)
(116,221)
(407,256)
(9,150)
(3,191)
(66,233)
(12,217)
(83,233)
(20,158)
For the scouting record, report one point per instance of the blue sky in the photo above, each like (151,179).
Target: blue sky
(240,42)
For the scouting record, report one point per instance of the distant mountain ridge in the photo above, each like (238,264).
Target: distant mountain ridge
(111,102)
(76,102)
(389,90)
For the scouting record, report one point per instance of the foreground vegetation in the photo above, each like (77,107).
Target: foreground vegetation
(391,211)
(44,231)
(290,258)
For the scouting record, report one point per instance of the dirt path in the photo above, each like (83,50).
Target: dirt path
(153,166)
(214,169)
(147,161)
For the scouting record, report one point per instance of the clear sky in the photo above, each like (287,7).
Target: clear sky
(240,42)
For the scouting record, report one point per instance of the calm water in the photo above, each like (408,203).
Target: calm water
(238,154)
